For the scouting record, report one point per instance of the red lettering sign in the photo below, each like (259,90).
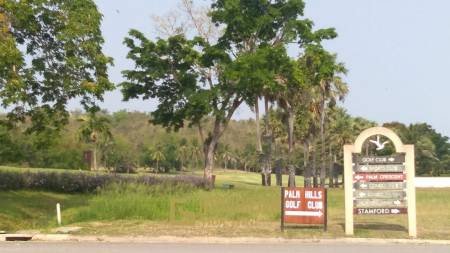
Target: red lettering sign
(303,205)
(379,177)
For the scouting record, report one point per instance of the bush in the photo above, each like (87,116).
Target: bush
(84,182)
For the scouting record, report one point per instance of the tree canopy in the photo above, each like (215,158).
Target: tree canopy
(51,52)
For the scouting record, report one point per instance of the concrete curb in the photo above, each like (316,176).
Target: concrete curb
(225,240)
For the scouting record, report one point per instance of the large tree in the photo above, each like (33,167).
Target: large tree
(256,25)
(194,79)
(50,53)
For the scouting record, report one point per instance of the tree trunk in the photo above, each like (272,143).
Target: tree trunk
(94,158)
(258,128)
(323,171)
(210,149)
(336,173)
(314,164)
(291,119)
(306,168)
(209,164)
(330,171)
(266,161)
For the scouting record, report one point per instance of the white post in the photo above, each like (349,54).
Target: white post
(411,189)
(348,187)
(58,213)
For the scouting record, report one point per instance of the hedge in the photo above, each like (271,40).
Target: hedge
(84,182)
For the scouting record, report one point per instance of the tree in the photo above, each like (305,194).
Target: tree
(182,155)
(196,78)
(330,88)
(96,131)
(51,52)
(259,27)
(195,152)
(431,148)
(158,155)
(339,133)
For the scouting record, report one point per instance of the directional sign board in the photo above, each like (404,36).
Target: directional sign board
(379,177)
(392,159)
(303,206)
(379,168)
(360,194)
(379,211)
(379,185)
(400,202)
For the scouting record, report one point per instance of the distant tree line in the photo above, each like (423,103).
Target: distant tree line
(132,143)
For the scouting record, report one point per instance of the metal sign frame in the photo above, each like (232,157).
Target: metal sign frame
(408,150)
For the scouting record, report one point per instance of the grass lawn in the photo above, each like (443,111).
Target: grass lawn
(246,210)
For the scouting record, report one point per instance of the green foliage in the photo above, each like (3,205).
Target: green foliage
(51,52)
(83,182)
(118,156)
(432,149)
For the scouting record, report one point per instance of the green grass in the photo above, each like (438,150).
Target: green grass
(247,210)
(34,210)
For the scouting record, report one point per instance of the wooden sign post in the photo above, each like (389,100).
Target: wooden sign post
(379,185)
(303,206)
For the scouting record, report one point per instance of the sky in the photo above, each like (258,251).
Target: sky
(397,53)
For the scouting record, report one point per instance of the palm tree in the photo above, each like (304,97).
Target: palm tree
(94,130)
(182,155)
(329,88)
(196,152)
(158,156)
(226,155)
(339,134)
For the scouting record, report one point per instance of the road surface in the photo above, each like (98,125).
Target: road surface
(89,247)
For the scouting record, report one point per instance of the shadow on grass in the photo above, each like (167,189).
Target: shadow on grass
(302,227)
(377,226)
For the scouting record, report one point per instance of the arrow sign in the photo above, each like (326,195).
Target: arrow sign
(379,168)
(379,203)
(379,185)
(394,159)
(379,211)
(358,177)
(379,177)
(304,213)
(382,194)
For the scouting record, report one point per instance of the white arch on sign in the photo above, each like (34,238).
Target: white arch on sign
(410,167)
(388,133)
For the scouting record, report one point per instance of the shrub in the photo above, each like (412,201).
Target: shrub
(85,182)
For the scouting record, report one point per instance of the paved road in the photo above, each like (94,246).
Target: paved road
(83,247)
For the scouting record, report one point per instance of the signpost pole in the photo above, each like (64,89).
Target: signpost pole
(411,190)
(325,225)
(282,209)
(348,186)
